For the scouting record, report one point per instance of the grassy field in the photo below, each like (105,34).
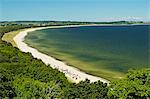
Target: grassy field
(8,37)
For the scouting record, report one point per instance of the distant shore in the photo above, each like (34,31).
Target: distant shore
(72,73)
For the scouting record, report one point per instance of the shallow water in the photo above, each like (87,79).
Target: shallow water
(99,50)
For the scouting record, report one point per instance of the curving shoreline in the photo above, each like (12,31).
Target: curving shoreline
(70,72)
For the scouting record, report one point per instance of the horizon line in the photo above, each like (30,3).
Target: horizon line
(72,21)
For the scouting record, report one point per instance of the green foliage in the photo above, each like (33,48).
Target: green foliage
(22,76)
(21,65)
(136,85)
(87,90)
(6,88)
(29,77)
(11,28)
(28,88)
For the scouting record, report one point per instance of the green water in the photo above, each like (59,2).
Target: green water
(106,51)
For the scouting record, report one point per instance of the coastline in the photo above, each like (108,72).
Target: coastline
(70,72)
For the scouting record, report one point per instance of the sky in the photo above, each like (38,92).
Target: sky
(75,10)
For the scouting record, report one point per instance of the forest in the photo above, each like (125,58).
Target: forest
(25,77)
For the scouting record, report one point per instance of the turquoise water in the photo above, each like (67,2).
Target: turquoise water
(96,49)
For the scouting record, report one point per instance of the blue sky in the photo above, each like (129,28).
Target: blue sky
(75,10)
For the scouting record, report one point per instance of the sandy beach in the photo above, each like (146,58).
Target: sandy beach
(70,72)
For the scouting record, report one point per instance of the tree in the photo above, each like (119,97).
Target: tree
(6,87)
(136,85)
